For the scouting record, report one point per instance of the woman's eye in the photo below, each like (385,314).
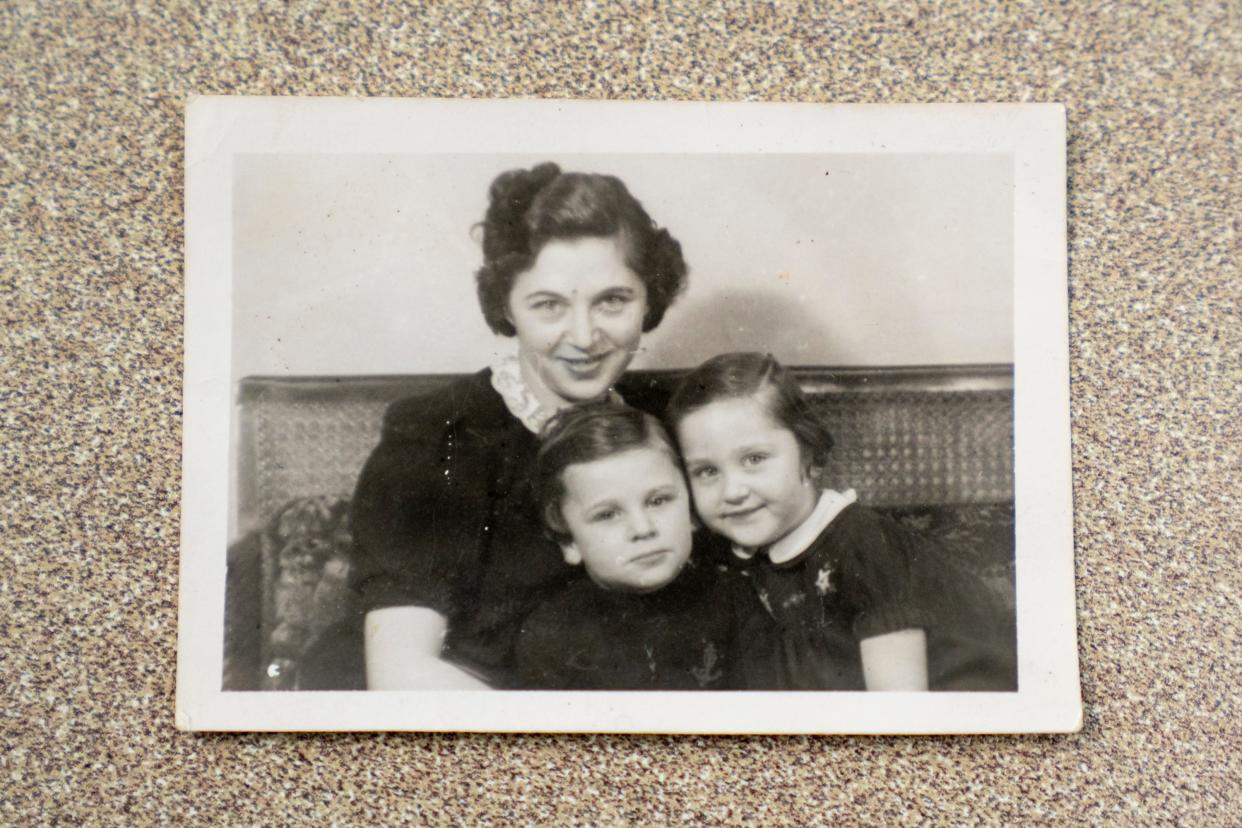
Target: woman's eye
(613,303)
(754,459)
(703,473)
(660,499)
(544,305)
(606,515)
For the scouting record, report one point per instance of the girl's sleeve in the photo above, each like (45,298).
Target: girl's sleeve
(898,580)
(879,578)
(418,513)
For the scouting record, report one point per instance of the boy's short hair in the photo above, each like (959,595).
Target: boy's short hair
(582,434)
(752,374)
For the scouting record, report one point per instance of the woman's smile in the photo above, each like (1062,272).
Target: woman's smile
(584,364)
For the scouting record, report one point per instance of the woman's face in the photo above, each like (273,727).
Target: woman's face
(579,313)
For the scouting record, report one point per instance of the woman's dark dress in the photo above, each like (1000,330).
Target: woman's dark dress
(443,517)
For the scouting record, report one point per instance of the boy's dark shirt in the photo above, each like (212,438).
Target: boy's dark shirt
(682,637)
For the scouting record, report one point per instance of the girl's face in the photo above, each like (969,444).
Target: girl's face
(746,471)
(629,516)
(579,315)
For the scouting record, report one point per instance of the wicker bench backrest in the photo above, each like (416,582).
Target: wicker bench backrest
(904,436)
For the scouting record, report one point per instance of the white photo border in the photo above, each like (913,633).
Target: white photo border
(218,128)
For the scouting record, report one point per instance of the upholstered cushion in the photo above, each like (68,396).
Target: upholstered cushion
(288,592)
(292,624)
(981,536)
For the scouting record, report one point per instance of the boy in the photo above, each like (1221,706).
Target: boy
(646,616)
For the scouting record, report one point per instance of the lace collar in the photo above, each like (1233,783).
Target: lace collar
(800,539)
(508,382)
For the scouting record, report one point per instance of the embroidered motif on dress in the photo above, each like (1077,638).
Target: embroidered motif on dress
(763,599)
(708,672)
(823,581)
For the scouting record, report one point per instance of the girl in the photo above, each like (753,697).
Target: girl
(862,603)
(646,616)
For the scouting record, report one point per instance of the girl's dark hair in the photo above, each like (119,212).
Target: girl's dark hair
(752,374)
(530,208)
(583,434)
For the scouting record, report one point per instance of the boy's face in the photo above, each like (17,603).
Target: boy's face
(629,515)
(749,481)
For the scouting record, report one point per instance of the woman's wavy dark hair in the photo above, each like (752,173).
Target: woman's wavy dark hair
(530,208)
(583,434)
(752,374)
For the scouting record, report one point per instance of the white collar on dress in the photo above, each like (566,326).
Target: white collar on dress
(796,542)
(508,382)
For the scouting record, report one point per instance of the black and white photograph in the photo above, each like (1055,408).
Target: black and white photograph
(540,416)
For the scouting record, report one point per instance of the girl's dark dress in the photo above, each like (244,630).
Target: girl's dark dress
(863,576)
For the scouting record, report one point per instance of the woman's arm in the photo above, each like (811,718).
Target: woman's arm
(403,652)
(894,661)
(406,556)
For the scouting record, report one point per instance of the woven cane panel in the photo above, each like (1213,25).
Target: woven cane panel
(895,447)
(902,448)
(306,448)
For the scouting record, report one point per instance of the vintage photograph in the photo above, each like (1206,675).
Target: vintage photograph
(537,415)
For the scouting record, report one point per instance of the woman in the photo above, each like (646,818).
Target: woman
(450,555)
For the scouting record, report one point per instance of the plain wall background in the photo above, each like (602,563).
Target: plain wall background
(364,264)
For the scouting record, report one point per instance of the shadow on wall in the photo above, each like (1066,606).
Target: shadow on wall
(741,320)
